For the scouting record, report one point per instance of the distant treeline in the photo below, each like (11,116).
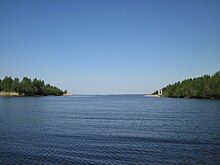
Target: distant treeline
(28,87)
(201,87)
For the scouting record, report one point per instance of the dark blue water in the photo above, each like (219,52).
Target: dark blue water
(109,130)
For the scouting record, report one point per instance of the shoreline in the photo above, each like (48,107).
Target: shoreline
(9,94)
(150,95)
(15,94)
(67,94)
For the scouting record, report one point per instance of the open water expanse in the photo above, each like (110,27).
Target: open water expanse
(127,129)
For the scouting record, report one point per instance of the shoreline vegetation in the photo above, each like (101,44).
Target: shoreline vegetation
(206,86)
(28,87)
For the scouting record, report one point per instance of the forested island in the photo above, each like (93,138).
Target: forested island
(28,87)
(201,87)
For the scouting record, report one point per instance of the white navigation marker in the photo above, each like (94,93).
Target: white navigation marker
(160,92)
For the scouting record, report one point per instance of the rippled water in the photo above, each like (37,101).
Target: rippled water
(109,130)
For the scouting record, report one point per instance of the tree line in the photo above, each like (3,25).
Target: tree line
(29,87)
(201,87)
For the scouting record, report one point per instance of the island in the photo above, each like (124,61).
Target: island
(28,87)
(207,86)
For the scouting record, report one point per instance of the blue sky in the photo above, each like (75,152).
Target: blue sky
(110,46)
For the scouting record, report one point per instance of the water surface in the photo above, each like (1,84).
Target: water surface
(129,129)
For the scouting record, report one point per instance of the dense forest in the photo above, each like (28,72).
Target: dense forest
(28,87)
(201,87)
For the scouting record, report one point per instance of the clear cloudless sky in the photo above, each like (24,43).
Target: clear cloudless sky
(109,46)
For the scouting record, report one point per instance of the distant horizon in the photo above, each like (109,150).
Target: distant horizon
(104,47)
(110,93)
(115,93)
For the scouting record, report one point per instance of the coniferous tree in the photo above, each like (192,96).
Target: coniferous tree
(29,87)
(201,87)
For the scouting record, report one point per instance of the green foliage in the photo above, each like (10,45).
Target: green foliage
(28,87)
(15,86)
(0,85)
(6,84)
(201,87)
